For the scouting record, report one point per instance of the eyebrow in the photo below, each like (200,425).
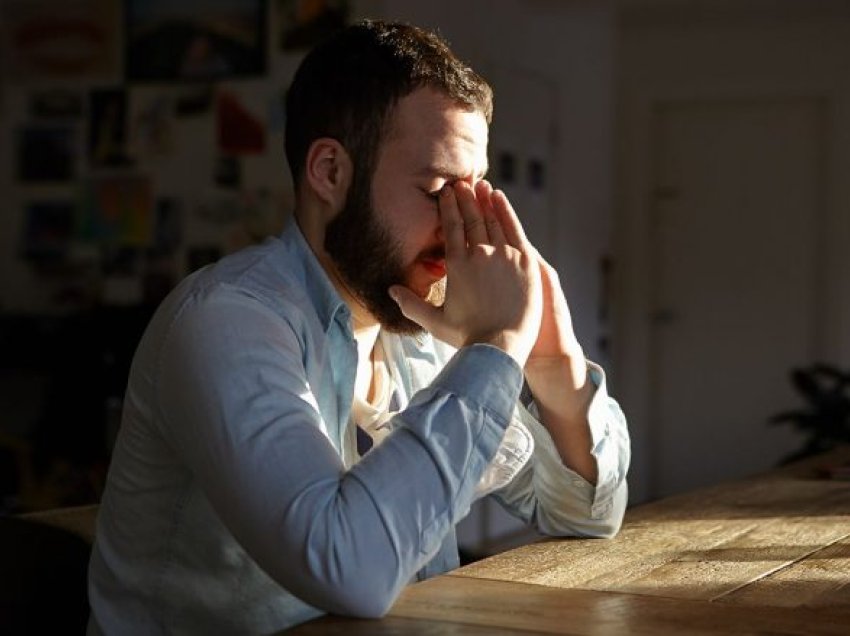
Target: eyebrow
(448,174)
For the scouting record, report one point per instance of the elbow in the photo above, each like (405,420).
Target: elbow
(599,520)
(362,602)
(351,587)
(351,597)
(606,523)
(604,528)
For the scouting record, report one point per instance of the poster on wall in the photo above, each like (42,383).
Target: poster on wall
(45,39)
(238,130)
(45,153)
(194,39)
(116,211)
(108,127)
(168,225)
(304,23)
(47,231)
(151,130)
(56,103)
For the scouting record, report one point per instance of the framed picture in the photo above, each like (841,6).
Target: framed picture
(49,40)
(304,23)
(56,103)
(199,40)
(48,230)
(46,153)
(108,128)
(116,211)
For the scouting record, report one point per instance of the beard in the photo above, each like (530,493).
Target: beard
(369,260)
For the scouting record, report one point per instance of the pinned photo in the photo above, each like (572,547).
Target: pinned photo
(195,39)
(46,153)
(108,128)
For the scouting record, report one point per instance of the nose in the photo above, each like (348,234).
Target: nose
(439,234)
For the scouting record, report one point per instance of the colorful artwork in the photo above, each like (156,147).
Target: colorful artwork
(239,131)
(194,39)
(54,40)
(117,211)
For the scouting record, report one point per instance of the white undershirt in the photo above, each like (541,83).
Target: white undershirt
(373,385)
(373,414)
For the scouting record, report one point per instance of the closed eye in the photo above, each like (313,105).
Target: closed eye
(434,195)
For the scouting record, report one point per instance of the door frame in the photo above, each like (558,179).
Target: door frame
(632,281)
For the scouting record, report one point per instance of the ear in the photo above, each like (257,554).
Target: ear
(328,172)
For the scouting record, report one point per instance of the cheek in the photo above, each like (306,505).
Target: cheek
(415,229)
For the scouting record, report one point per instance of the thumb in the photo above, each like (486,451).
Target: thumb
(413,307)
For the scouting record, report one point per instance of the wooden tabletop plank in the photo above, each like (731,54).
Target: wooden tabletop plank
(820,580)
(769,554)
(702,571)
(702,545)
(396,626)
(500,604)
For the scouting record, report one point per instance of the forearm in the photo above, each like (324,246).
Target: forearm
(344,541)
(562,392)
(553,496)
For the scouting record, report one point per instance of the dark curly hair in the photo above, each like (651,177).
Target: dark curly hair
(347,87)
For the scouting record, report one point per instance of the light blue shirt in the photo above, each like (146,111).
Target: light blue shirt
(236,502)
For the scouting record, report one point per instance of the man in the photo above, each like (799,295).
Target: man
(307,420)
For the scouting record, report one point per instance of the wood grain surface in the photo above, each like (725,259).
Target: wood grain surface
(779,539)
(765,555)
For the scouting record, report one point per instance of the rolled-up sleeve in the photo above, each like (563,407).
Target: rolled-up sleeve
(556,499)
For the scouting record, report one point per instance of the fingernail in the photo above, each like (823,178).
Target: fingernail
(393,293)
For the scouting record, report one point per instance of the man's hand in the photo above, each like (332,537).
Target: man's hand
(556,369)
(493,288)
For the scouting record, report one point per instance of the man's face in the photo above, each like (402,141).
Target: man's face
(392,235)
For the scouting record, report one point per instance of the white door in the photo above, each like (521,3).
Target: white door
(734,239)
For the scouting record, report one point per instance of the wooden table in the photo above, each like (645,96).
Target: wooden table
(769,554)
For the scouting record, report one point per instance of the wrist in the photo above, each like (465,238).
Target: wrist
(569,367)
(560,385)
(507,342)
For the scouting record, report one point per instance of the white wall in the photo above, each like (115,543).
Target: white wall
(681,50)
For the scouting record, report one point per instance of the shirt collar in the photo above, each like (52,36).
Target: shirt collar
(303,262)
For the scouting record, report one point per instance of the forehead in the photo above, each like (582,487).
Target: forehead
(429,132)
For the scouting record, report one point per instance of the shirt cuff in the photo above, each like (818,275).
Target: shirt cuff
(603,447)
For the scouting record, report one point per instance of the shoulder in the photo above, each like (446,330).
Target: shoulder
(254,283)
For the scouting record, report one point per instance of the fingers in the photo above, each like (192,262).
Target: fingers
(473,220)
(412,306)
(478,216)
(504,212)
(452,223)
(483,194)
